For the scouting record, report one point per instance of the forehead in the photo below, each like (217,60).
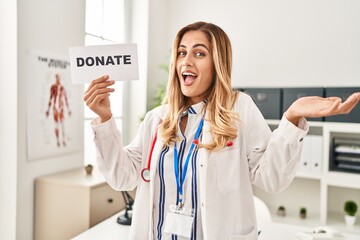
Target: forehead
(193,38)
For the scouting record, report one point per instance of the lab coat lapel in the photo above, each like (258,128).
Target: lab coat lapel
(154,162)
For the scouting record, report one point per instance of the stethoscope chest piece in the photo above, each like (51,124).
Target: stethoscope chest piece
(145,174)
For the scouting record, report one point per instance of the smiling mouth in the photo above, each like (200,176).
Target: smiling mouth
(189,78)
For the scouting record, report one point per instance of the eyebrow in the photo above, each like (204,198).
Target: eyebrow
(196,45)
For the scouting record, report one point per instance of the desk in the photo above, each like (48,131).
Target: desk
(108,229)
(111,230)
(282,231)
(68,203)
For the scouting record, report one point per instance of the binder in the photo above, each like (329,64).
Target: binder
(316,153)
(305,156)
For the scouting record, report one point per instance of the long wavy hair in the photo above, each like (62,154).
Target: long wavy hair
(219,114)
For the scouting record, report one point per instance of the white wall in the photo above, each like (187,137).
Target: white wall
(280,42)
(159,45)
(8,119)
(135,102)
(48,26)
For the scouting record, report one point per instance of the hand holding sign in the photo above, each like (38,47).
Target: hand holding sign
(97,95)
(118,60)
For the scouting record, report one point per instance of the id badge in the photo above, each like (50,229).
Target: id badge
(179,221)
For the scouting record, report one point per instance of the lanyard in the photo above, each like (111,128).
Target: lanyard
(180,181)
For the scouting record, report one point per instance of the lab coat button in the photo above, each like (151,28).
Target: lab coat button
(301,139)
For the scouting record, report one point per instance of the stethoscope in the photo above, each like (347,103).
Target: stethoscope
(145,173)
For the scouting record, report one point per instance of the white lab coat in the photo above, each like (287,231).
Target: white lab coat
(258,156)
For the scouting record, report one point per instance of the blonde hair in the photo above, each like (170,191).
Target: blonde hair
(222,119)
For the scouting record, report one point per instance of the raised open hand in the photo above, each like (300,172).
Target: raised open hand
(313,107)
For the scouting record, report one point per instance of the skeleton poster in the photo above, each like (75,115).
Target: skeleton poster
(54,107)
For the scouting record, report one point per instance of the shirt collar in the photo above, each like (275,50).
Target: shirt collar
(196,108)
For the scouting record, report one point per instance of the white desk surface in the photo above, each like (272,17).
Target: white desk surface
(111,230)
(282,231)
(108,229)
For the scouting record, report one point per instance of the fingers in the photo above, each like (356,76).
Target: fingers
(97,96)
(96,100)
(345,107)
(98,80)
(355,97)
(350,103)
(98,86)
(336,103)
(334,99)
(89,96)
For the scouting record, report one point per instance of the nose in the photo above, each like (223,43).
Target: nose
(187,61)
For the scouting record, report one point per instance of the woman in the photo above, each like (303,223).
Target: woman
(206,146)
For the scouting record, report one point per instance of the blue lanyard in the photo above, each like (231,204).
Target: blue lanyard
(180,181)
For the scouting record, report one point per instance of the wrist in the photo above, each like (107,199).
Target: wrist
(105,118)
(291,117)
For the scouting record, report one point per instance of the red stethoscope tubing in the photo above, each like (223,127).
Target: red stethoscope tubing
(145,173)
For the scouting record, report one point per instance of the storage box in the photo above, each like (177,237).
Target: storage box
(290,95)
(344,152)
(344,93)
(268,100)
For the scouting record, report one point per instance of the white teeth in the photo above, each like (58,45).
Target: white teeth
(188,74)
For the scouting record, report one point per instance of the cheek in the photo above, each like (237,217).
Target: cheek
(178,70)
(208,78)
(208,69)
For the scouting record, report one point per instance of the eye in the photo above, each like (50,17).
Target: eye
(200,54)
(181,53)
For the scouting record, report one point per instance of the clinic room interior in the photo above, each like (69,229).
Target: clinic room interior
(50,185)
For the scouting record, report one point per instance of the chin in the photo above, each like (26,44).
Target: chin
(186,92)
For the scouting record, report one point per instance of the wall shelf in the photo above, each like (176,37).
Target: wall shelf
(323,192)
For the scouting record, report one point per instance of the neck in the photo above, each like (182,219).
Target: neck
(197,99)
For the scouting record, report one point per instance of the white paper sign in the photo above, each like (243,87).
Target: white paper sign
(119,61)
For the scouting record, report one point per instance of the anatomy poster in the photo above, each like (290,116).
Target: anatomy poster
(54,107)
